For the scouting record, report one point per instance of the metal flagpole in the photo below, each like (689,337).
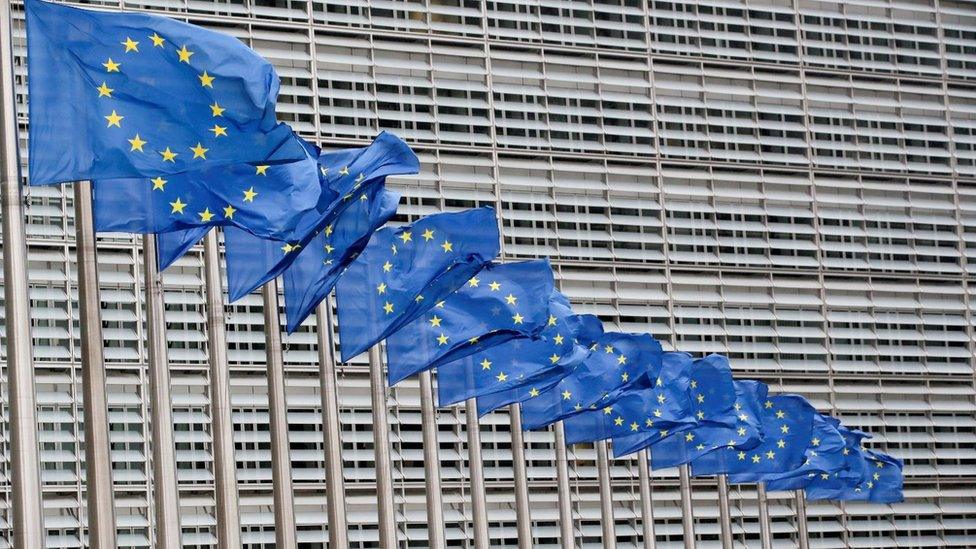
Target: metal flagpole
(476,467)
(802,531)
(381,443)
(647,505)
(222,427)
(432,464)
(606,495)
(25,479)
(281,489)
(687,512)
(523,514)
(567,536)
(765,532)
(335,489)
(98,461)
(166,497)
(724,511)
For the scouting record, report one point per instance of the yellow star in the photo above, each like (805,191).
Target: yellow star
(501,377)
(447,246)
(199,151)
(328,230)
(473,283)
(130,45)
(649,422)
(428,235)
(104,90)
(168,155)
(694,384)
(700,415)
(554,358)
(288,248)
(661,399)
(219,130)
(137,143)
(250,194)
(518,318)
(216,110)
(608,349)
(344,170)
(558,339)
(756,458)
(184,54)
(157,40)
(781,443)
(619,421)
(634,426)
(658,413)
(510,299)
(328,248)
(701,398)
(785,429)
(406,236)
(486,364)
(533,392)
(442,339)
(621,359)
(206,80)
(689,437)
(742,456)
(624,377)
(770,454)
(387,267)
(388,307)
(381,288)
(608,410)
(494,285)
(552,321)
(114,119)
(111,66)
(876,476)
(229,211)
(769,404)
(473,340)
(741,431)
(743,417)
(567,395)
(178,206)
(206,215)
(435,321)
(261,170)
(780,414)
(815,441)
(393,248)
(159,184)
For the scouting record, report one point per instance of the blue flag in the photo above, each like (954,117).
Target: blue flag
(788,425)
(520,358)
(616,363)
(416,266)
(502,301)
(588,329)
(882,481)
(824,455)
(172,246)
(347,177)
(314,271)
(265,200)
(115,95)
(677,448)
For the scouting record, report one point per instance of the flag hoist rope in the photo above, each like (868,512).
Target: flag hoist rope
(335,489)
(221,425)
(98,460)
(281,489)
(25,479)
(166,497)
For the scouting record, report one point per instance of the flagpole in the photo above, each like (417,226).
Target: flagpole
(222,428)
(647,504)
(606,495)
(25,476)
(335,490)
(687,512)
(724,511)
(381,443)
(476,467)
(166,498)
(567,535)
(523,513)
(765,533)
(432,464)
(802,531)
(98,462)
(281,489)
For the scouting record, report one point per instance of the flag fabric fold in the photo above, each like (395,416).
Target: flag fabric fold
(117,95)
(499,303)
(824,455)
(418,265)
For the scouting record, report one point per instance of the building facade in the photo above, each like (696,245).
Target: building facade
(789,182)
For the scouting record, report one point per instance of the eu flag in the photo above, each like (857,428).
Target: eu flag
(314,271)
(882,482)
(615,363)
(502,301)
(172,246)
(824,455)
(264,200)
(404,272)
(501,367)
(116,95)
(586,330)
(787,424)
(347,176)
